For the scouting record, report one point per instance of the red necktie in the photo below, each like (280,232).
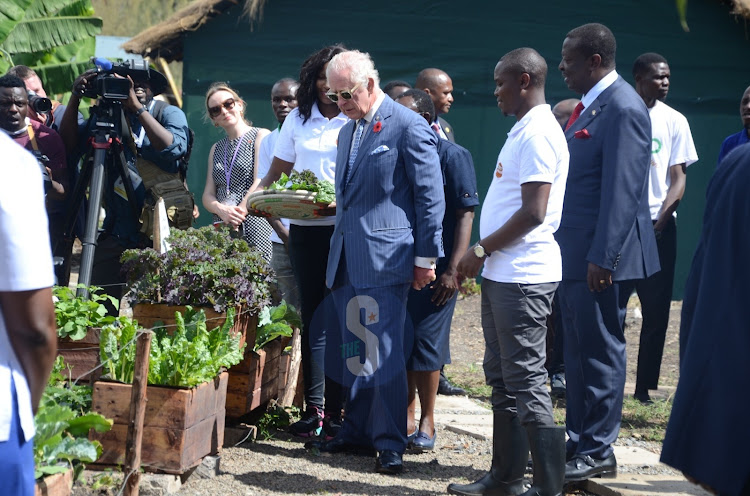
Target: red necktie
(436,128)
(575,115)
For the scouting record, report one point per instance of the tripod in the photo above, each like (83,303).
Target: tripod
(105,127)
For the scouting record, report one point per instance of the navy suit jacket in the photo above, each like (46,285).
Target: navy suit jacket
(447,129)
(707,435)
(391,210)
(605,217)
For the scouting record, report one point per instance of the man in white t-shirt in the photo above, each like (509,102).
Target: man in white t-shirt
(522,269)
(27,316)
(672,151)
(283,100)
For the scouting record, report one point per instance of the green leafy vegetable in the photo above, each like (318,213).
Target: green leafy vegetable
(76,315)
(306,180)
(274,322)
(62,427)
(186,355)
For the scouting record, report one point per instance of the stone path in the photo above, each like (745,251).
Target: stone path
(640,471)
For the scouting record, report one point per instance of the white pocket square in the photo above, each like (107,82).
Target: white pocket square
(380,149)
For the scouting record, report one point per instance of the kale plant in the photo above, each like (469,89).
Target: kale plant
(204,267)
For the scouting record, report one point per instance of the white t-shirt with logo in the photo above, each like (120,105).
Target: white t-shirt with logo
(535,151)
(311,145)
(25,265)
(671,144)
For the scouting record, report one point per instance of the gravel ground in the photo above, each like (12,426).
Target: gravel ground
(281,466)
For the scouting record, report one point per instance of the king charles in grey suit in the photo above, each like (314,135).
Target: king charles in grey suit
(389,212)
(606,240)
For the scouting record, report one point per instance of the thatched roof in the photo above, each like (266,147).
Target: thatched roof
(741,8)
(165,39)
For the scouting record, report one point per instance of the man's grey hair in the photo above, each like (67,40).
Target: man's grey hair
(359,64)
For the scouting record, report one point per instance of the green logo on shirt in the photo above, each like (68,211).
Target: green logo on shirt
(655,145)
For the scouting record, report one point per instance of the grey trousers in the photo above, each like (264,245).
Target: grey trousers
(284,275)
(514,320)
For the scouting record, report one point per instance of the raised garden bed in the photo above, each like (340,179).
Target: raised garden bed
(81,356)
(182,425)
(245,323)
(55,485)
(257,379)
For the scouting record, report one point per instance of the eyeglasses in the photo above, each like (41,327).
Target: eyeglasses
(216,111)
(345,94)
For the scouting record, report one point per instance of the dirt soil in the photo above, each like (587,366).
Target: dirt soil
(467,343)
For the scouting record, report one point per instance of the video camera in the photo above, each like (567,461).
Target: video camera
(43,160)
(110,87)
(39,104)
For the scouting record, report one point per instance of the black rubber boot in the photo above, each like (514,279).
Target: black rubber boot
(548,453)
(510,453)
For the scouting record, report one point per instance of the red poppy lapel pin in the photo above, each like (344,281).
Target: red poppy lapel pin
(582,134)
(377,127)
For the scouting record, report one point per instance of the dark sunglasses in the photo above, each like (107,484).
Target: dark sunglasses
(345,94)
(215,111)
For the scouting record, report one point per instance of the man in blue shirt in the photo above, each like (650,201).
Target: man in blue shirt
(162,142)
(735,140)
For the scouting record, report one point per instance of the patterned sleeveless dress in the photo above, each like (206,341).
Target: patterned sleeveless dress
(257,231)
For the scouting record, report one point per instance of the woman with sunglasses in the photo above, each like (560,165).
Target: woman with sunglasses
(308,141)
(232,170)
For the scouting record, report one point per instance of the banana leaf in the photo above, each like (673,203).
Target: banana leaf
(42,34)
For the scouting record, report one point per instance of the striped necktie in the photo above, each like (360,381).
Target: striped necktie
(355,147)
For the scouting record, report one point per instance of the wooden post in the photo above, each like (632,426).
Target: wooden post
(137,413)
(291,383)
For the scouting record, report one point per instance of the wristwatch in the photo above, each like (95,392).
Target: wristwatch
(479,251)
(141,110)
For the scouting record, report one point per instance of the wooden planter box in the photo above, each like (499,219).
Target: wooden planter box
(182,425)
(147,314)
(81,356)
(55,485)
(259,378)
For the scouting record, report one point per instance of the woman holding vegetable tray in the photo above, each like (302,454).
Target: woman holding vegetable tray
(307,141)
(232,169)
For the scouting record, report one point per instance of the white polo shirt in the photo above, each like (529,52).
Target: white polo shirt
(25,265)
(535,151)
(265,157)
(671,144)
(311,145)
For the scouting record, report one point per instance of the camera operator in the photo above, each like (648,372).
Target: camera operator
(40,140)
(34,83)
(162,142)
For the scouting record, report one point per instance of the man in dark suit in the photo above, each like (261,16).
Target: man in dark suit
(387,237)
(607,243)
(439,86)
(707,435)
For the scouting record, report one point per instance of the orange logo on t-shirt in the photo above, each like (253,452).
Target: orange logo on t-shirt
(499,170)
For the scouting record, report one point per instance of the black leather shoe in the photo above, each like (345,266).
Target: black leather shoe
(582,467)
(389,462)
(338,445)
(447,389)
(643,397)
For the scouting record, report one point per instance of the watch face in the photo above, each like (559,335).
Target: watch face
(479,251)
